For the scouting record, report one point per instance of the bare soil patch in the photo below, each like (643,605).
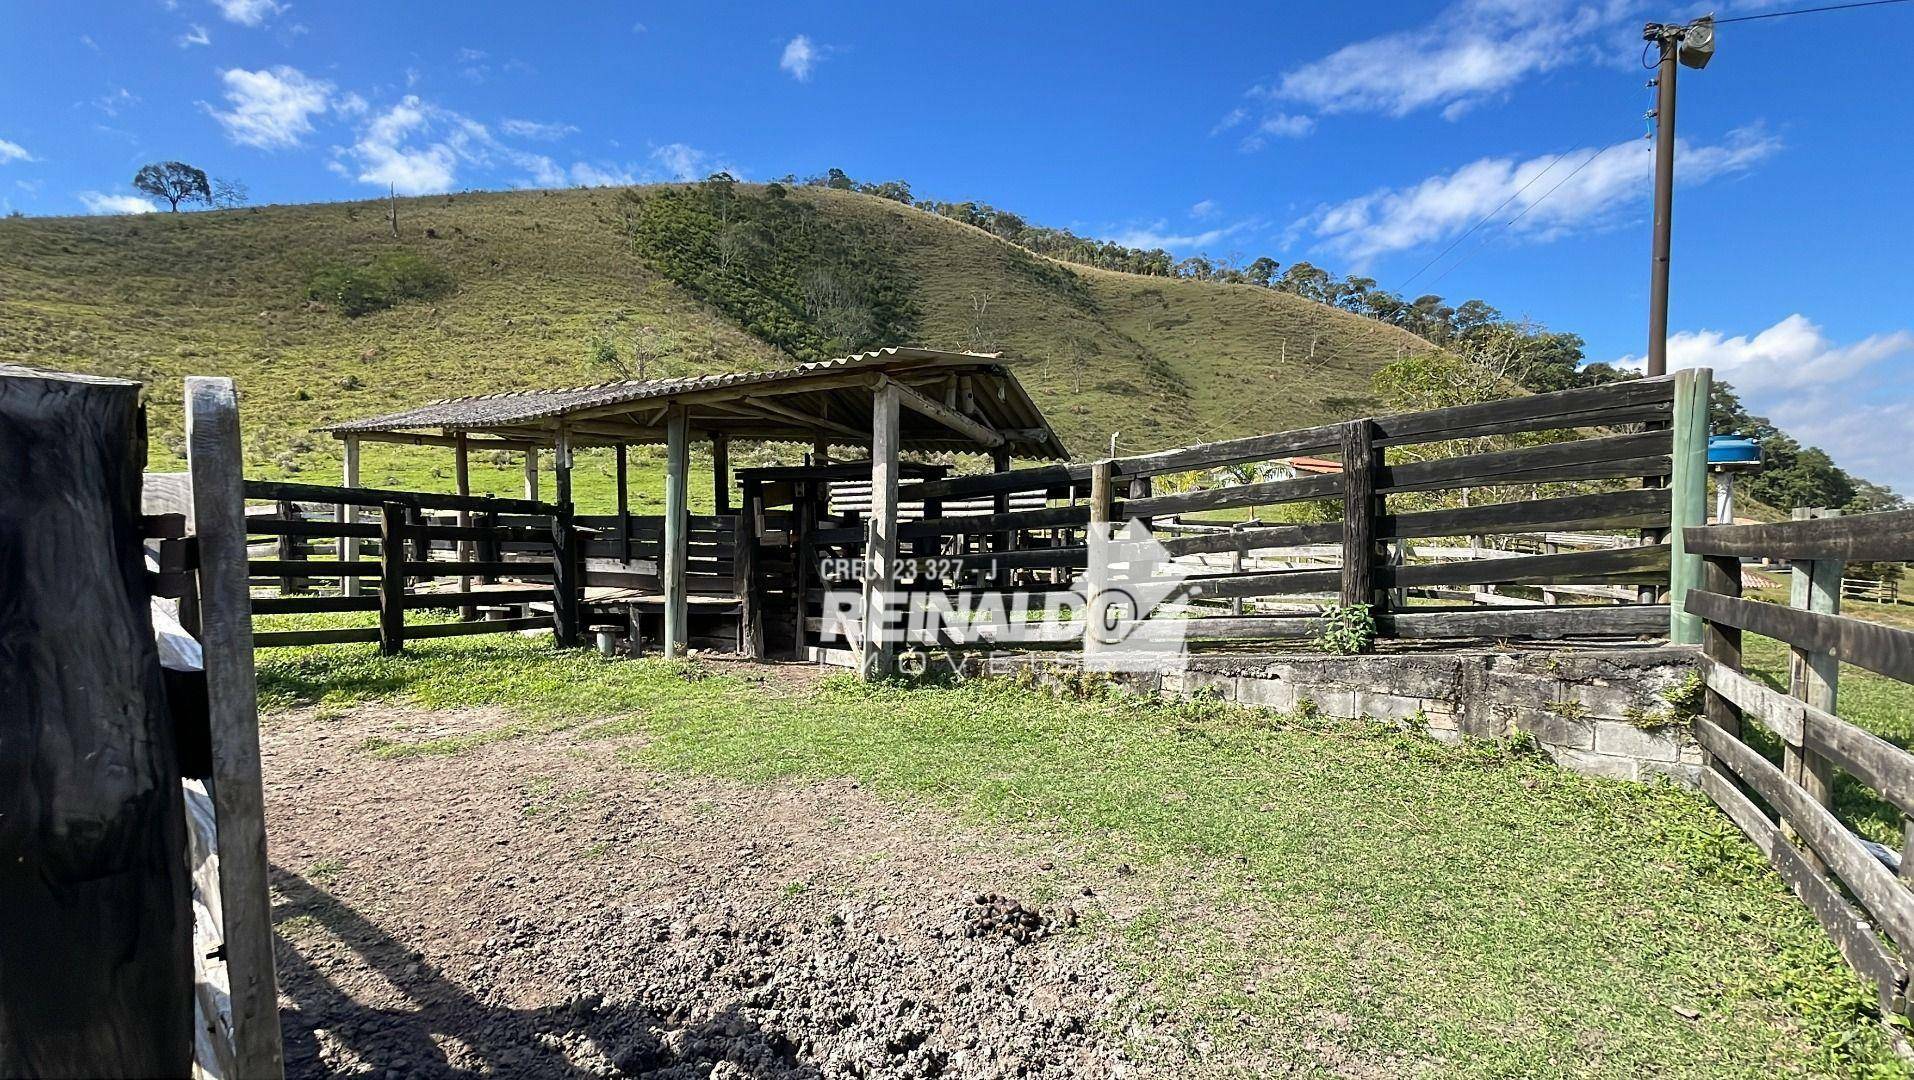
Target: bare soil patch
(538,906)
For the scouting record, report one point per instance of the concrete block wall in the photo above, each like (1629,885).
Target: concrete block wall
(1602,712)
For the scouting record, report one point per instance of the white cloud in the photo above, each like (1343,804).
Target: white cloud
(96,203)
(1792,354)
(1439,207)
(195,36)
(271,108)
(681,162)
(1473,50)
(1843,398)
(1158,235)
(248,12)
(535,129)
(1204,210)
(395,149)
(13,151)
(1230,119)
(1278,125)
(799,57)
(585,174)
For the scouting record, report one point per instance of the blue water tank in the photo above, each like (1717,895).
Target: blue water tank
(1737,452)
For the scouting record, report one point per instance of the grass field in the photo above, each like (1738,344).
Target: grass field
(1465,911)
(538,276)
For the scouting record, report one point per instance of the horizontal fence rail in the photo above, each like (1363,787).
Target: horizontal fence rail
(1857,890)
(1584,462)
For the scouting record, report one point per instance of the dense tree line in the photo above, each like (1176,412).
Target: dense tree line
(1521,352)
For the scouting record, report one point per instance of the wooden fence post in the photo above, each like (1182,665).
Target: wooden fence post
(1722,644)
(291,549)
(1360,462)
(1097,537)
(1688,496)
(677,526)
(565,582)
(462,474)
(1814,676)
(392,555)
(349,513)
(877,653)
(219,513)
(96,971)
(744,568)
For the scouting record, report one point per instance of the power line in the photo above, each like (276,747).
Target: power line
(1586,162)
(1808,11)
(1484,219)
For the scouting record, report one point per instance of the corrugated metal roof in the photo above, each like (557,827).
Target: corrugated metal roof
(504,411)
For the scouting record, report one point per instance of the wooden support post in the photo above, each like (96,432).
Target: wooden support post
(1688,496)
(876,652)
(821,452)
(531,472)
(1236,563)
(349,546)
(677,529)
(624,505)
(1815,676)
(721,474)
(1141,487)
(420,547)
(565,583)
(999,504)
(1360,461)
(96,972)
(392,530)
(226,641)
(804,516)
(488,548)
(744,569)
(1097,536)
(291,550)
(1722,644)
(462,476)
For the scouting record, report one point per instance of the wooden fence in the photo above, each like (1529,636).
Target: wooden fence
(1623,457)
(481,543)
(1859,891)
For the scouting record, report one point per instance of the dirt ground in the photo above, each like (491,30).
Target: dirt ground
(539,907)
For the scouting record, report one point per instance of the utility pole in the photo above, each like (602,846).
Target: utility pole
(1693,45)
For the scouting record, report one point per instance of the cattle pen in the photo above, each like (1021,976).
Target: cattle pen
(1537,567)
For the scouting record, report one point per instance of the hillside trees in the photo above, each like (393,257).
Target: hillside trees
(814,289)
(174,181)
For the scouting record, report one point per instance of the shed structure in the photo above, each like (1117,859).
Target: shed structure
(888,401)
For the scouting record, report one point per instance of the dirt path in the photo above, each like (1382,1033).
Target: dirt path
(538,907)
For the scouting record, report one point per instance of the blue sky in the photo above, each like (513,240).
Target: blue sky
(1362,142)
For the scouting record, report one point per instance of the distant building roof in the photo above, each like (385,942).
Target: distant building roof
(956,401)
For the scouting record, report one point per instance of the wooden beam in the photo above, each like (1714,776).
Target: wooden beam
(811,423)
(1098,534)
(462,479)
(877,653)
(720,474)
(1360,462)
(415,438)
(677,525)
(1878,648)
(1882,537)
(982,434)
(531,473)
(566,588)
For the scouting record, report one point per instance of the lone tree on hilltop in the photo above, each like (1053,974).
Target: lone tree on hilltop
(174,181)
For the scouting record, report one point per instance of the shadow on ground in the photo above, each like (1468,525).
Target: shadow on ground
(445,1031)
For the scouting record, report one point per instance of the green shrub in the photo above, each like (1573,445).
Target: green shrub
(1346,629)
(390,278)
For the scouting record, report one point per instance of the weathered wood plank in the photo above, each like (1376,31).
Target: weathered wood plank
(274,568)
(1881,537)
(1361,461)
(1275,583)
(1872,884)
(1521,465)
(219,512)
(676,524)
(96,974)
(1848,925)
(1634,508)
(1779,713)
(877,653)
(277,490)
(274,639)
(1265,493)
(1883,649)
(1541,411)
(1538,623)
(1647,561)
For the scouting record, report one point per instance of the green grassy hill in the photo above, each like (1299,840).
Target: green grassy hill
(542,281)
